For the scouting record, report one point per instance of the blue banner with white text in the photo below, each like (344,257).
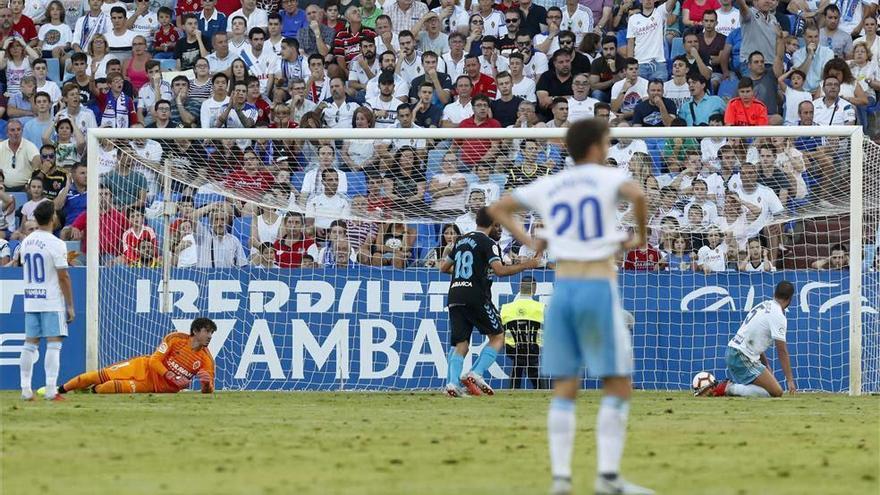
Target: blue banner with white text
(380,328)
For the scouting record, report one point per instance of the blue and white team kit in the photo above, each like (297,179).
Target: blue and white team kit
(765,323)
(583,324)
(42,255)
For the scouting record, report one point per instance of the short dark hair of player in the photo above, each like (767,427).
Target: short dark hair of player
(583,135)
(44,213)
(784,291)
(484,220)
(202,324)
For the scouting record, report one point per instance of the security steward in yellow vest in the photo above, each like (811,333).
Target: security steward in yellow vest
(523,319)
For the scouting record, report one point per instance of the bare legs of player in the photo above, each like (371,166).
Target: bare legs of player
(610,434)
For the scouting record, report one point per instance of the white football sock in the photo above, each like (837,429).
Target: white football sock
(52,364)
(29,355)
(611,433)
(739,390)
(560,433)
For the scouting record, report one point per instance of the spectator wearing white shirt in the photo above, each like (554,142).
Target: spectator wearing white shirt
(467,222)
(41,73)
(338,109)
(581,105)
(548,41)
(762,204)
(221,58)
(156,89)
(313,184)
(322,209)
(623,150)
(645,37)
(388,63)
(577,18)
(461,108)
(220,249)
(212,107)
(263,64)
(713,256)
(143,21)
(452,62)
(629,91)
(831,109)
(452,17)
(363,67)
(253,15)
(490,189)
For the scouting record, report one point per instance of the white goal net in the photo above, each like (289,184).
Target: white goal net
(316,250)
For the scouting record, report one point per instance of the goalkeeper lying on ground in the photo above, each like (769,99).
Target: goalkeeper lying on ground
(177,360)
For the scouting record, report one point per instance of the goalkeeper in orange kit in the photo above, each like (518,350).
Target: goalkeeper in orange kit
(177,360)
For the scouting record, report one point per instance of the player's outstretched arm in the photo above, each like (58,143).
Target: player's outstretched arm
(633,193)
(785,362)
(502,211)
(503,270)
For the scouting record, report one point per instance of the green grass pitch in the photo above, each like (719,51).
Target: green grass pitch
(425,443)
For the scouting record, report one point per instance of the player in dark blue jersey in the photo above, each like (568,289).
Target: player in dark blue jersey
(472,260)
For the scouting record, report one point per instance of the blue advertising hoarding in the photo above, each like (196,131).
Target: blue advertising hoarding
(378,328)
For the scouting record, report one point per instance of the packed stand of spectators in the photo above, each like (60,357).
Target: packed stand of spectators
(67,67)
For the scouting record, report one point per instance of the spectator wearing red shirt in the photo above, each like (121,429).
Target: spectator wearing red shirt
(642,259)
(745,109)
(483,84)
(189,7)
(251,179)
(474,151)
(166,37)
(137,232)
(347,44)
(111,225)
(292,242)
(692,11)
(255,98)
(22,24)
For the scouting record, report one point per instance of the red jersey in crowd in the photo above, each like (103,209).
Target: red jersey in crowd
(131,241)
(348,44)
(246,182)
(473,150)
(291,255)
(111,225)
(485,85)
(642,259)
(25,27)
(738,113)
(166,39)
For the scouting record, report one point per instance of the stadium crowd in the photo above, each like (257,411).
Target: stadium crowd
(69,66)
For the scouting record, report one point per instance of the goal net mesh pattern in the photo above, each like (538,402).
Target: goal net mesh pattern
(318,258)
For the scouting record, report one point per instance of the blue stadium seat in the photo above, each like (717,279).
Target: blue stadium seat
(621,38)
(12,245)
(200,200)
(500,179)
(435,158)
(296,180)
(20,198)
(427,236)
(169,64)
(241,228)
(677,47)
(54,69)
(357,184)
(727,88)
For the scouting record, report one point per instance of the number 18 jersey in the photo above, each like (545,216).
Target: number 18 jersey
(471,258)
(579,208)
(42,254)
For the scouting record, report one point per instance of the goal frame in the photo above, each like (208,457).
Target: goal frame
(854,133)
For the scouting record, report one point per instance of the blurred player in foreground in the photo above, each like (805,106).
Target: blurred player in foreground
(584,321)
(747,363)
(48,299)
(472,260)
(177,360)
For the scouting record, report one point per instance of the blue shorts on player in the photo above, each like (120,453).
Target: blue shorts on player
(740,368)
(45,324)
(583,326)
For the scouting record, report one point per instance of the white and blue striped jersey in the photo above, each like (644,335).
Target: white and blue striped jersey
(42,255)
(579,208)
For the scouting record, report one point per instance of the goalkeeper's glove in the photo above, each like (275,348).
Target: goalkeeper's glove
(176,380)
(206,381)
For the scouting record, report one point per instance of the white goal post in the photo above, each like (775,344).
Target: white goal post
(857,199)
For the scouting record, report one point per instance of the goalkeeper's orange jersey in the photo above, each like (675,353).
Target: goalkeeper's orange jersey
(175,354)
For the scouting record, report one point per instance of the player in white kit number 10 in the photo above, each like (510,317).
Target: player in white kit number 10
(48,300)
(584,324)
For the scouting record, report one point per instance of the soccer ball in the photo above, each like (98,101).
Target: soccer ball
(702,381)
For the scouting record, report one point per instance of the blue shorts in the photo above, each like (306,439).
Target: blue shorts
(45,324)
(741,369)
(583,326)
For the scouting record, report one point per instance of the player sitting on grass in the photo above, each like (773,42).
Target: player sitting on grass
(170,369)
(584,321)
(746,361)
(471,260)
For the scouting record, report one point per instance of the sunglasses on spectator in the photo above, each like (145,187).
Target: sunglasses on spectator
(47,156)
(512,19)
